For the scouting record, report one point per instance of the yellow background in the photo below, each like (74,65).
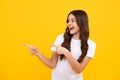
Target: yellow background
(38,22)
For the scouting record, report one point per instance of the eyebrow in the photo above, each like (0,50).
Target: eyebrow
(71,18)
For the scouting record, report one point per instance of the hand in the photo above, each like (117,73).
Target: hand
(60,49)
(33,50)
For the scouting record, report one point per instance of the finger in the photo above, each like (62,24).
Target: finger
(52,45)
(32,51)
(27,45)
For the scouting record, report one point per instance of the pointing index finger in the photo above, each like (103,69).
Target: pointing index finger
(28,45)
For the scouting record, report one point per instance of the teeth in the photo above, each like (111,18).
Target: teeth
(71,28)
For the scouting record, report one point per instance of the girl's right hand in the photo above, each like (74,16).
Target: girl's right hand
(33,50)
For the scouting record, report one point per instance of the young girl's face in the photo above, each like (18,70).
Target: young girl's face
(72,25)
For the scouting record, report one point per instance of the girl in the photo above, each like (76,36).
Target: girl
(72,50)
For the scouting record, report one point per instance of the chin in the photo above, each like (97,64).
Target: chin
(72,33)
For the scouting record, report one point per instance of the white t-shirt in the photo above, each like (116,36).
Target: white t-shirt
(63,70)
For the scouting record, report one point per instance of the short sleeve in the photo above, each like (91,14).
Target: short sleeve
(91,49)
(58,41)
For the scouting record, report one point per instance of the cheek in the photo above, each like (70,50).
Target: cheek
(77,28)
(76,25)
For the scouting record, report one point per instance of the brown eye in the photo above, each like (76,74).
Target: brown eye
(72,20)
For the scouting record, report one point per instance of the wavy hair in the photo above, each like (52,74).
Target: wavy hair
(82,22)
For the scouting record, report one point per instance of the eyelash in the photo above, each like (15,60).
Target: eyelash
(72,21)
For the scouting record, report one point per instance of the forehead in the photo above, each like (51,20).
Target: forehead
(71,16)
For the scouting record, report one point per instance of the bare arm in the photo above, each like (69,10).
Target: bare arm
(51,63)
(76,66)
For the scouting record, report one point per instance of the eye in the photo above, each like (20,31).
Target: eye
(73,20)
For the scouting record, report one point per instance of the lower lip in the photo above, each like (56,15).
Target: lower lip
(71,30)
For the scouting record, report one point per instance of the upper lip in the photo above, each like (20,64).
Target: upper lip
(70,27)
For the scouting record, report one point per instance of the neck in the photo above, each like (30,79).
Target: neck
(76,36)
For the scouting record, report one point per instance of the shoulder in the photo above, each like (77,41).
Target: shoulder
(91,43)
(60,36)
(59,39)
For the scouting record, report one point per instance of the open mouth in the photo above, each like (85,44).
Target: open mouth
(71,28)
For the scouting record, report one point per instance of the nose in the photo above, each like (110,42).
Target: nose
(69,23)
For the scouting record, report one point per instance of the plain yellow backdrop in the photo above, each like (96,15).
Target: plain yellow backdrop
(38,22)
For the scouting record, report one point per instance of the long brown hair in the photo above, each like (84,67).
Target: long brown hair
(82,22)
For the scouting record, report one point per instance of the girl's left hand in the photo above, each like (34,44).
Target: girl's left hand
(61,50)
